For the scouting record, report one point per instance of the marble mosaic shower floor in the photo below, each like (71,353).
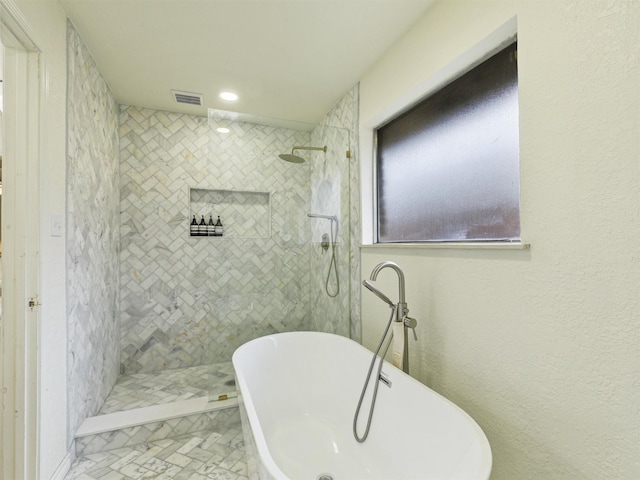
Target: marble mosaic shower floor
(217,452)
(166,386)
(199,456)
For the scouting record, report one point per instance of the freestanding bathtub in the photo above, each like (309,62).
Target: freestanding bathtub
(298,392)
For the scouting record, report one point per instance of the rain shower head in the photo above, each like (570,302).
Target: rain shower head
(290,157)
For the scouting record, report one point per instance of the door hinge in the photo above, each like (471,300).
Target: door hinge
(33,303)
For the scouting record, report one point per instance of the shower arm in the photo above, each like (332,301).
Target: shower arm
(324,149)
(333,218)
(318,215)
(293,158)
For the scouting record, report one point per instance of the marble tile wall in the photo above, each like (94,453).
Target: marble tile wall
(93,197)
(346,114)
(142,294)
(185,300)
(335,189)
(188,301)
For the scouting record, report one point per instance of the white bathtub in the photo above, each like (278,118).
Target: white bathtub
(298,392)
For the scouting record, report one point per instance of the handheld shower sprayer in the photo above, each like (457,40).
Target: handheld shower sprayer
(377,292)
(333,263)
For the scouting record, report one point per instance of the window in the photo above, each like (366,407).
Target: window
(448,168)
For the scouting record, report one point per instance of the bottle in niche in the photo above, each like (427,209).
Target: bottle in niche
(202,227)
(219,228)
(193,228)
(211,228)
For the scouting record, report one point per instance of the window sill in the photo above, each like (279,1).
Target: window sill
(451,245)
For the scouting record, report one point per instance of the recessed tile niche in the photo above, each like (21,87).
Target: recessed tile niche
(243,213)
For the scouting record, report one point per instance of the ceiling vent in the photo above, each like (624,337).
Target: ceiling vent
(187,97)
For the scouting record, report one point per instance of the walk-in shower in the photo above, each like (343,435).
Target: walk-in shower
(187,302)
(267,273)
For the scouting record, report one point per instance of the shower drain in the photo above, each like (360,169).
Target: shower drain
(325,476)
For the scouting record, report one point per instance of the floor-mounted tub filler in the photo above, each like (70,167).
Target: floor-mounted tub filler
(298,392)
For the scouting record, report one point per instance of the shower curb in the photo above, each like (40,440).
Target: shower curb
(132,427)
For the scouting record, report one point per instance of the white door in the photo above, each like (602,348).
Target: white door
(20,240)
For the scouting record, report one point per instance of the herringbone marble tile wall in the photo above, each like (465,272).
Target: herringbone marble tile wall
(186,300)
(92,235)
(335,189)
(189,301)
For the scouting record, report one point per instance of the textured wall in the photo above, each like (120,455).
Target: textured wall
(188,301)
(539,346)
(93,196)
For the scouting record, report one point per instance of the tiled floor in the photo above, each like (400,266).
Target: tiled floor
(146,389)
(209,455)
(217,453)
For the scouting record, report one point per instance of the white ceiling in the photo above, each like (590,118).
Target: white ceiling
(289,59)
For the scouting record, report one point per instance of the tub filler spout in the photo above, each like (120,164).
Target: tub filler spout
(401,310)
(403,321)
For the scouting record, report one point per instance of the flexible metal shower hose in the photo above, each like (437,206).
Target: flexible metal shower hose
(376,382)
(333,263)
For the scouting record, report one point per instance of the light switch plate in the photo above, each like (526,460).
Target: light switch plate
(56,225)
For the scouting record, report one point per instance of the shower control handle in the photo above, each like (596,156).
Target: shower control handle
(325,242)
(411,323)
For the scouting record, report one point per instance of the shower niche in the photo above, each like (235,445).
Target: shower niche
(243,213)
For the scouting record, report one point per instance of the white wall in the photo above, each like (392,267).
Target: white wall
(47,22)
(540,346)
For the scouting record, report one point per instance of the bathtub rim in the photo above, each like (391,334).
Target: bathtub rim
(266,458)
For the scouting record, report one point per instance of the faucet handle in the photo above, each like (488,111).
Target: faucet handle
(411,323)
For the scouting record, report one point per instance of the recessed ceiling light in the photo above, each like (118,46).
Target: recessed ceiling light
(228,96)
(222,130)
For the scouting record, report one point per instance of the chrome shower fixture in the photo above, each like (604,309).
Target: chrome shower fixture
(290,157)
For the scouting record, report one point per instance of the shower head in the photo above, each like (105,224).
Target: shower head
(378,293)
(290,157)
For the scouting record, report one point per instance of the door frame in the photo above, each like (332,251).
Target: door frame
(19,327)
